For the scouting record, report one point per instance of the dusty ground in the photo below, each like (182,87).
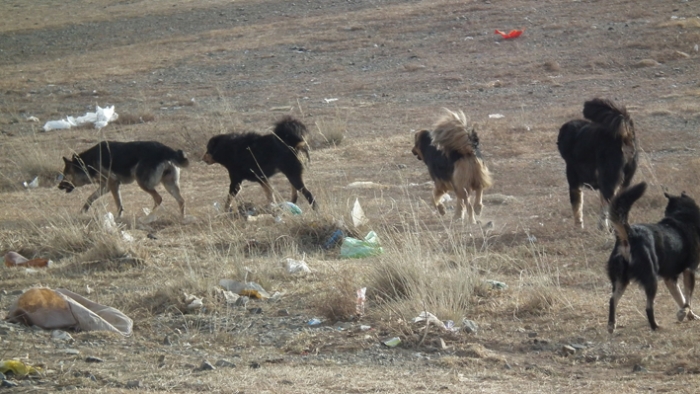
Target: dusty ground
(195,69)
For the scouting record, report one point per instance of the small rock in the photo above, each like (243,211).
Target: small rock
(166,341)
(441,344)
(206,366)
(283,312)
(254,365)
(568,350)
(223,363)
(507,366)
(72,352)
(242,301)
(531,334)
(134,384)
(469,326)
(255,311)
(8,383)
(638,368)
(93,359)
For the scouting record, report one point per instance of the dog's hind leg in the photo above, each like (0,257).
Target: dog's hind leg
(618,290)
(603,223)
(438,192)
(478,205)
(94,196)
(463,205)
(650,287)
(576,198)
(171,182)
(689,286)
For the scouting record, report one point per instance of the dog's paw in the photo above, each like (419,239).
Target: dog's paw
(692,316)
(682,313)
(441,209)
(611,327)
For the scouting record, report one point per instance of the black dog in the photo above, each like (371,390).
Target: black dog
(667,249)
(111,163)
(256,157)
(600,152)
(454,162)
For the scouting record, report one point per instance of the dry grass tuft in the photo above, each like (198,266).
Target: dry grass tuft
(339,301)
(129,119)
(329,132)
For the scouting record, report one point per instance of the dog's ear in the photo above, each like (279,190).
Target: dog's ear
(66,160)
(668,196)
(683,194)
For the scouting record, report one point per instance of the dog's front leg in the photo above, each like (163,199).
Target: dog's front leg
(233,190)
(675,290)
(689,286)
(113,186)
(603,223)
(650,288)
(94,196)
(576,198)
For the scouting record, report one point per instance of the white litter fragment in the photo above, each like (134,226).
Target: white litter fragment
(193,302)
(445,198)
(108,223)
(36,120)
(330,100)
(127,237)
(358,215)
(429,317)
(297,266)
(363,185)
(33,184)
(496,116)
(100,118)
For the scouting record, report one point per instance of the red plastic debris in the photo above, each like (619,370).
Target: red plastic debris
(511,34)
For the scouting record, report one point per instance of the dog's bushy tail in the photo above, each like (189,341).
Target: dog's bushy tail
(614,117)
(450,134)
(619,214)
(181,159)
(292,132)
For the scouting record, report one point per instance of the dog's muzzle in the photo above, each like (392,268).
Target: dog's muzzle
(415,153)
(67,186)
(207,158)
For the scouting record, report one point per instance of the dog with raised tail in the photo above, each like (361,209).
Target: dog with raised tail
(667,249)
(453,156)
(255,157)
(601,152)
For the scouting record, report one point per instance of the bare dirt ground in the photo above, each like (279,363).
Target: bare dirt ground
(371,71)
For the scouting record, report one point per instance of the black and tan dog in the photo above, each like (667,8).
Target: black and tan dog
(110,163)
(454,162)
(667,249)
(256,158)
(600,152)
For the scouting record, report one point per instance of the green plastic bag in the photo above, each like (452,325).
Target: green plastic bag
(353,248)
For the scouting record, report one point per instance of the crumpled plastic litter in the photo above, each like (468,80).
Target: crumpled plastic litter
(61,308)
(100,118)
(510,34)
(193,302)
(427,316)
(297,266)
(18,368)
(291,207)
(360,303)
(249,289)
(14,259)
(33,184)
(358,215)
(357,248)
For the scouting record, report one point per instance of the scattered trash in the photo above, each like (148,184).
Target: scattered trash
(568,350)
(365,328)
(445,198)
(510,34)
(60,335)
(358,215)
(496,116)
(496,285)
(330,100)
(149,218)
(249,289)
(33,184)
(34,119)
(193,302)
(356,248)
(291,207)
(393,342)
(297,266)
(363,185)
(228,297)
(336,237)
(17,368)
(61,308)
(469,326)
(314,322)
(127,237)
(13,259)
(429,317)
(360,303)
(108,223)
(100,118)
